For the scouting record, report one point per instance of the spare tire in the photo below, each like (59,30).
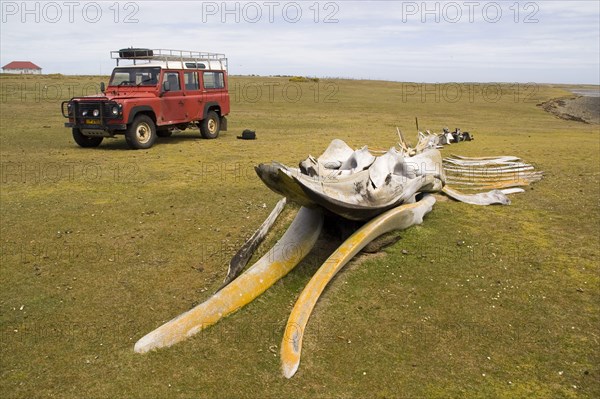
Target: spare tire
(135,53)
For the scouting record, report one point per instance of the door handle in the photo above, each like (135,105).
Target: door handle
(180,102)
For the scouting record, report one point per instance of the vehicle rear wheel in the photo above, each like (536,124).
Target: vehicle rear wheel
(86,141)
(210,126)
(141,134)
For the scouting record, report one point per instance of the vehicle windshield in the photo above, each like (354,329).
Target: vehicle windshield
(135,76)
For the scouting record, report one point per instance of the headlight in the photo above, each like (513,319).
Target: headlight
(115,111)
(84,113)
(96,112)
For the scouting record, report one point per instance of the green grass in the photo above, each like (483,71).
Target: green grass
(100,246)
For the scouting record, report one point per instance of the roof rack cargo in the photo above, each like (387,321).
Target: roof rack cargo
(166,55)
(135,53)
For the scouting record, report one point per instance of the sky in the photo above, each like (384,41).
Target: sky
(416,41)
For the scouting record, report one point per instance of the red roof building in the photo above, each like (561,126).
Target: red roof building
(21,67)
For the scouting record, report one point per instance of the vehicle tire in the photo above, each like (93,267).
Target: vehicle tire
(141,134)
(164,132)
(210,126)
(86,141)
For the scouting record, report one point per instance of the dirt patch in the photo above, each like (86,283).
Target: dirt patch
(581,109)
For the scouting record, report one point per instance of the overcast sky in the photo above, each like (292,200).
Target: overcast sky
(436,41)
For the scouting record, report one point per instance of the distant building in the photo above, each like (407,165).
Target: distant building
(25,67)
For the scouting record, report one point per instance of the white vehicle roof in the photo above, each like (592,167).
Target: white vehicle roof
(205,64)
(170,59)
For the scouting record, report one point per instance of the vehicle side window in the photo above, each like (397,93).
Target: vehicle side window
(213,80)
(191,80)
(173,79)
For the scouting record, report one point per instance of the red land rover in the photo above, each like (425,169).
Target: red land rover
(156,92)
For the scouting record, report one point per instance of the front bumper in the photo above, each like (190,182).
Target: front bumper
(100,126)
(103,124)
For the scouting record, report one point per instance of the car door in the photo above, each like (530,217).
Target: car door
(194,104)
(172,99)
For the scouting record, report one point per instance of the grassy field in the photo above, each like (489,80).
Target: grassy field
(100,246)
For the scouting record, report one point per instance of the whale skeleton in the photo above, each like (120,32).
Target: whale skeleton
(388,192)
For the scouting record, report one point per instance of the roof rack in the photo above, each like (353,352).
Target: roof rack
(146,55)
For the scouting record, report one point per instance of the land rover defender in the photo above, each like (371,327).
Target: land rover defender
(151,93)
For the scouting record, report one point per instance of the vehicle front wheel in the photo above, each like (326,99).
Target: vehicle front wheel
(210,126)
(141,134)
(86,141)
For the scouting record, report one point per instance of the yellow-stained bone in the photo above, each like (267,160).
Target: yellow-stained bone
(397,218)
(295,244)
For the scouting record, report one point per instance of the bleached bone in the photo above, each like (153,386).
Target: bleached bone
(498,178)
(243,255)
(359,160)
(279,178)
(359,201)
(398,218)
(487,198)
(494,175)
(477,158)
(390,181)
(295,244)
(496,169)
(482,162)
(332,159)
(427,141)
(335,154)
(494,186)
